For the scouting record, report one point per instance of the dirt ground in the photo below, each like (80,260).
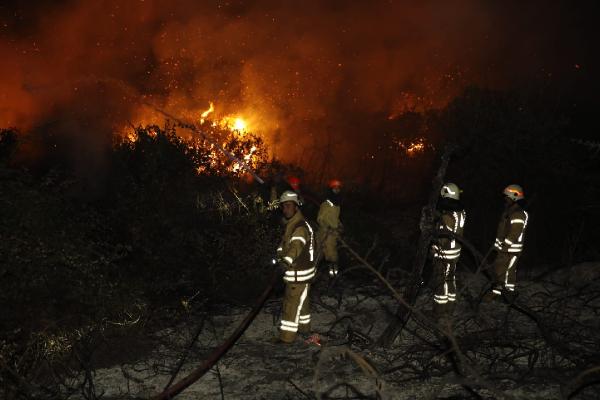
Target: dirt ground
(504,353)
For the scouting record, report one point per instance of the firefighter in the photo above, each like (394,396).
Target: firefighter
(509,239)
(330,226)
(446,250)
(296,258)
(280,185)
(294,183)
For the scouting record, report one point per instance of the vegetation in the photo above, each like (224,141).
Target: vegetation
(171,226)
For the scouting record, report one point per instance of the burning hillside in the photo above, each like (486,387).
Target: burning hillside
(295,74)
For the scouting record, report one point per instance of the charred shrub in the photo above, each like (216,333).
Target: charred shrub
(179,206)
(8,143)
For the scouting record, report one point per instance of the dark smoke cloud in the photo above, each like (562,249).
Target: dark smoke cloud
(300,71)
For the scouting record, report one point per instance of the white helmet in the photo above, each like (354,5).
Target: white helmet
(450,191)
(514,192)
(288,195)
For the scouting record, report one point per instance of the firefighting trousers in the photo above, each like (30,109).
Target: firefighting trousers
(328,244)
(505,266)
(444,280)
(296,312)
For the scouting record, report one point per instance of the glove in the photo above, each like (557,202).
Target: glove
(279,264)
(282,267)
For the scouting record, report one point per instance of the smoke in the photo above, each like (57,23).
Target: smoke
(301,73)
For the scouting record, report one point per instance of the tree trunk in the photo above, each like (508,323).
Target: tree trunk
(426,226)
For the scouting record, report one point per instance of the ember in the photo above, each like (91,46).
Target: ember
(413,147)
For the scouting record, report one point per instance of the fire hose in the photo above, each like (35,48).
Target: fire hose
(220,351)
(171,391)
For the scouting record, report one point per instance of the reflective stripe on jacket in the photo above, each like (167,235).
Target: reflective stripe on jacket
(511,230)
(445,248)
(297,250)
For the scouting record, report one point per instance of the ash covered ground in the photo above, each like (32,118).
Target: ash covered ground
(507,354)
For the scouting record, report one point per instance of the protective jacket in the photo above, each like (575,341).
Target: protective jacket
(329,231)
(296,250)
(511,230)
(445,248)
(446,252)
(329,216)
(509,244)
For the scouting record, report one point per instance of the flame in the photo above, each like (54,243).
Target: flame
(239,124)
(412,147)
(211,108)
(231,133)
(131,136)
(235,128)
(249,158)
(229,122)
(232,123)
(415,147)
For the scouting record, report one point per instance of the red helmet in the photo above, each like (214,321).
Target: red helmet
(335,183)
(294,182)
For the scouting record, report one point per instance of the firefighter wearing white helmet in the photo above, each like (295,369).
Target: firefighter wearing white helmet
(446,250)
(296,258)
(510,238)
(450,191)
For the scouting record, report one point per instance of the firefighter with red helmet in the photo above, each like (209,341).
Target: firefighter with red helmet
(510,238)
(294,183)
(280,185)
(330,226)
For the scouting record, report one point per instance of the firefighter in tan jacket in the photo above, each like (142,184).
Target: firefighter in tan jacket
(446,250)
(296,257)
(330,226)
(509,239)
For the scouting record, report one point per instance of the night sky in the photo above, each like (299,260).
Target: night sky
(296,72)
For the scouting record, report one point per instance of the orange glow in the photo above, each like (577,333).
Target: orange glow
(294,91)
(250,159)
(239,124)
(205,113)
(231,132)
(232,129)
(232,123)
(228,122)
(412,147)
